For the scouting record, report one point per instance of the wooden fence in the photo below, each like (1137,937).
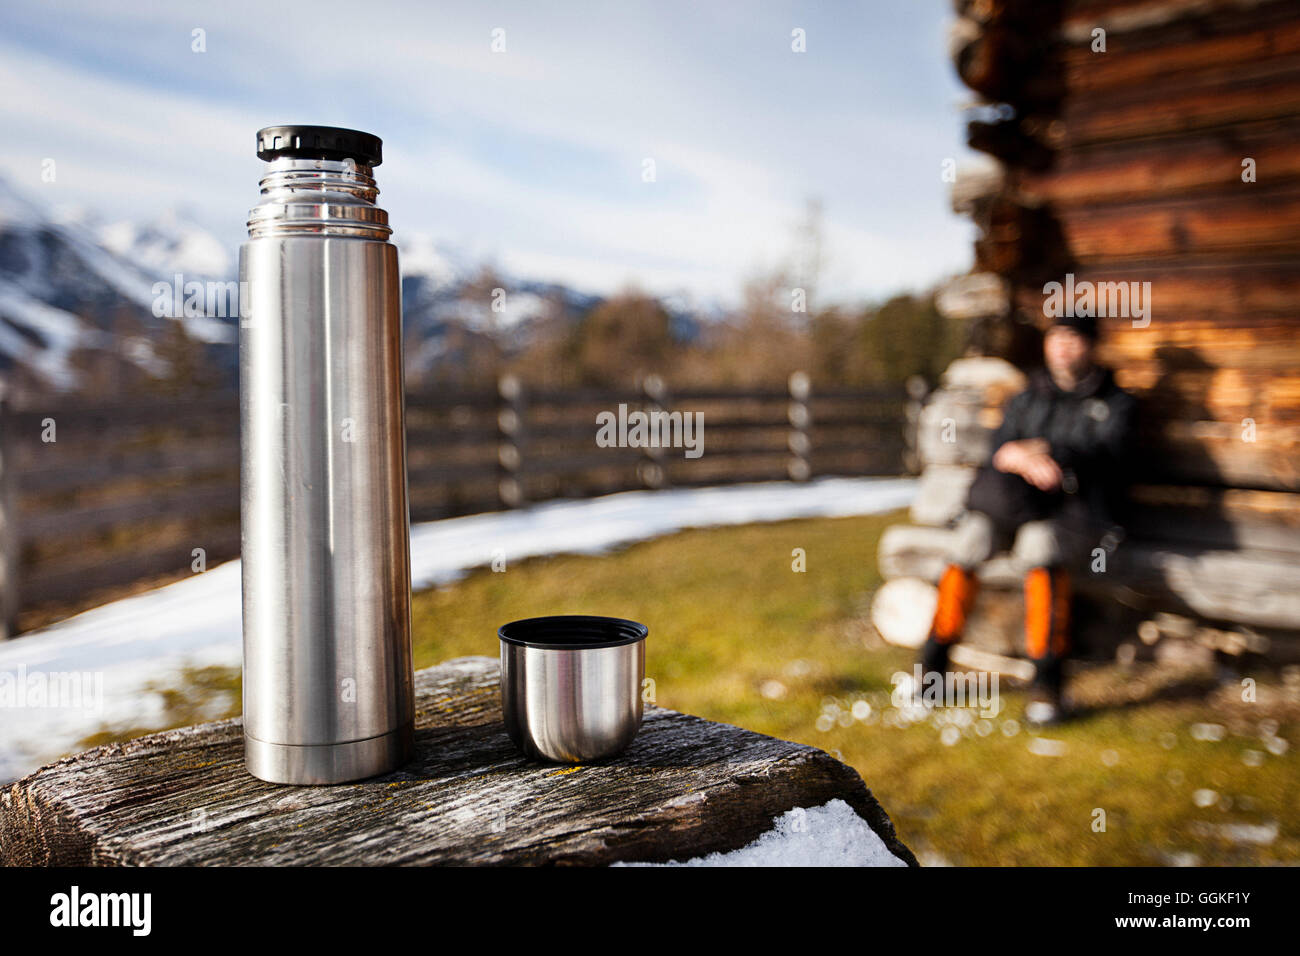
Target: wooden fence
(95,497)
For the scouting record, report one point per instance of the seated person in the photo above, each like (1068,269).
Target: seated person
(1053,486)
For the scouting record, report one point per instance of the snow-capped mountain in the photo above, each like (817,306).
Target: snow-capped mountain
(444,291)
(63,290)
(440,286)
(451,303)
(170,243)
(68,282)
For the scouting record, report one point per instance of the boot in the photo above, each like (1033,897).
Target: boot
(934,656)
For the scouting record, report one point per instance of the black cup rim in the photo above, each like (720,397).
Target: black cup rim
(572,632)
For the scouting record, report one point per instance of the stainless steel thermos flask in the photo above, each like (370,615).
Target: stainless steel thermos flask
(328,685)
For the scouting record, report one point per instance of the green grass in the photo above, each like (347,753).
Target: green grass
(736,635)
(729,619)
(204,693)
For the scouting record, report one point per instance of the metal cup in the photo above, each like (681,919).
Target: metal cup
(571,685)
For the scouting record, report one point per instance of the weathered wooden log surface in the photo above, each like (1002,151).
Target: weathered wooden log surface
(1266,35)
(974,296)
(1200,163)
(1128,16)
(941,497)
(685,787)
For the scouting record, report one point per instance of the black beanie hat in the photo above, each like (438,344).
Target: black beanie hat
(1085,325)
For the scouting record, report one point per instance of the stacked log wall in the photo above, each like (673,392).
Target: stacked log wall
(1169,158)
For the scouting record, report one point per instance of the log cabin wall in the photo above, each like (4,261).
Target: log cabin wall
(1170,157)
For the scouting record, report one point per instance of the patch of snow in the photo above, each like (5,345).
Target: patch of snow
(61,255)
(830,835)
(1047,747)
(516,307)
(1209,732)
(208,329)
(168,245)
(153,636)
(125,278)
(1260,834)
(419,255)
(59,331)
(480,313)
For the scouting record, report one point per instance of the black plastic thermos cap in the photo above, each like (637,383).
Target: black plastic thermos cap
(319,142)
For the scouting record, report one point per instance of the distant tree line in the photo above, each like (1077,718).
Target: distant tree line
(631,334)
(615,343)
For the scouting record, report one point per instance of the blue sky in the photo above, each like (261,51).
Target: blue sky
(531,158)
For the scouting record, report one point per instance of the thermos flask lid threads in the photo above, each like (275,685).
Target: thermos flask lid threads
(319,142)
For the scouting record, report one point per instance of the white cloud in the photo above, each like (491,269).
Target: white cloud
(534,154)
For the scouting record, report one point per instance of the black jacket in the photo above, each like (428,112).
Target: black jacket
(1089,431)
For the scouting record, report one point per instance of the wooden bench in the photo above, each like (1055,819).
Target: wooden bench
(1216,566)
(1157,196)
(686,787)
